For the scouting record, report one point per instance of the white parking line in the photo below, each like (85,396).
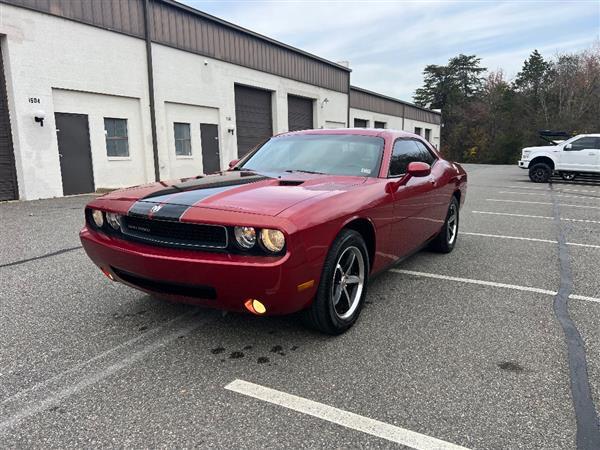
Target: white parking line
(558,189)
(587,197)
(492,284)
(540,203)
(534,217)
(340,417)
(521,238)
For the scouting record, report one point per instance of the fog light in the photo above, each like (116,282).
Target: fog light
(107,273)
(255,307)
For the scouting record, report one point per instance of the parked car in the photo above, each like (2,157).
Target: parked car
(569,158)
(299,224)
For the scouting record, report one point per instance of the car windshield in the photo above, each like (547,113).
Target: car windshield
(332,154)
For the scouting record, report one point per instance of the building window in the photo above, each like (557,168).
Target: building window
(361,123)
(379,124)
(116,137)
(418,130)
(183,141)
(428,134)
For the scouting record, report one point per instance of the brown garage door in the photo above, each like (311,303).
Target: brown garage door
(8,175)
(300,113)
(252,116)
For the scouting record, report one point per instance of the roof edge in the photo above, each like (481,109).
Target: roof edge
(387,97)
(241,29)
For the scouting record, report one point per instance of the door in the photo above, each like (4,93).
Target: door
(74,153)
(300,113)
(581,155)
(209,140)
(253,117)
(412,224)
(8,174)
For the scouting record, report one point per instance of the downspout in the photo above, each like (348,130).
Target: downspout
(403,116)
(148,38)
(348,116)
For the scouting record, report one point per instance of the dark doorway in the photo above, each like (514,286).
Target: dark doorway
(300,113)
(8,174)
(360,123)
(75,154)
(253,117)
(209,139)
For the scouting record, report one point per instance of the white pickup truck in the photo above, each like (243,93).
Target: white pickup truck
(577,155)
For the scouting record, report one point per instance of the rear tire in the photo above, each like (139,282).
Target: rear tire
(568,176)
(445,241)
(540,173)
(343,286)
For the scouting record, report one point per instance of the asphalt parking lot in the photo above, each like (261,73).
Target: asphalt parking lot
(468,348)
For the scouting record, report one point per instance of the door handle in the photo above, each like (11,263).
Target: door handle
(592,153)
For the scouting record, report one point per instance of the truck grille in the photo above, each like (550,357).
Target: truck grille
(174,234)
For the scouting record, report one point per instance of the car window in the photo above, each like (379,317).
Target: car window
(404,152)
(426,155)
(333,154)
(585,143)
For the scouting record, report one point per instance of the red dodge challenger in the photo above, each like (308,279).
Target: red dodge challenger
(298,224)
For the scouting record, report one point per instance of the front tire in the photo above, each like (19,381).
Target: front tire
(343,285)
(540,173)
(445,241)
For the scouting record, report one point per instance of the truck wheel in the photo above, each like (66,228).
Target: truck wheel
(568,176)
(540,173)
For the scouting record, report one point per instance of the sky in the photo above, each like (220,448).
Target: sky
(389,43)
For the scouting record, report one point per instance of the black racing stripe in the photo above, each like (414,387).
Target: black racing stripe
(169,211)
(208,182)
(141,209)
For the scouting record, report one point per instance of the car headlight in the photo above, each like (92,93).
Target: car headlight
(114,220)
(98,217)
(245,236)
(273,240)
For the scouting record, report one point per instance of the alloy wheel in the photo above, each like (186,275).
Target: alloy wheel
(452,223)
(348,282)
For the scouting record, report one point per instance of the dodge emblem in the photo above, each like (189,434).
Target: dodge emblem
(156,208)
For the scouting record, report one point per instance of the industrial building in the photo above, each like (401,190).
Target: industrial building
(105,94)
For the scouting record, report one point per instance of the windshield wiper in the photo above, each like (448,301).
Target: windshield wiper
(305,171)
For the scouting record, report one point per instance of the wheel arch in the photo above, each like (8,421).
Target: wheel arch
(366,229)
(543,159)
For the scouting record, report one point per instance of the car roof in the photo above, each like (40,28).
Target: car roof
(379,132)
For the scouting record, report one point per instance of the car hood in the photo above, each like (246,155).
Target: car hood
(249,192)
(543,148)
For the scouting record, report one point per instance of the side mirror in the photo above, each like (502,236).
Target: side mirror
(415,169)
(418,169)
(568,146)
(233,162)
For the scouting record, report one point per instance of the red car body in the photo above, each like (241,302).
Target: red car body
(396,219)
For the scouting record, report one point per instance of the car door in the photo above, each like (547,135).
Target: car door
(411,225)
(580,155)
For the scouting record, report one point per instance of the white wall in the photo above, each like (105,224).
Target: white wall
(185,166)
(185,78)
(110,172)
(42,53)
(396,123)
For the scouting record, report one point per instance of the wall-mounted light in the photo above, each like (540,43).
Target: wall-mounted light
(325,100)
(39,117)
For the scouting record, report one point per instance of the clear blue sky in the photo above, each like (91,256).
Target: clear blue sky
(388,43)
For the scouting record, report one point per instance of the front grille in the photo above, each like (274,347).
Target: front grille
(173,233)
(166,287)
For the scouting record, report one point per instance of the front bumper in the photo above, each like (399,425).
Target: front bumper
(524,164)
(217,280)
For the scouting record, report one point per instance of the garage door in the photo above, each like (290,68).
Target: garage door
(8,176)
(300,113)
(253,117)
